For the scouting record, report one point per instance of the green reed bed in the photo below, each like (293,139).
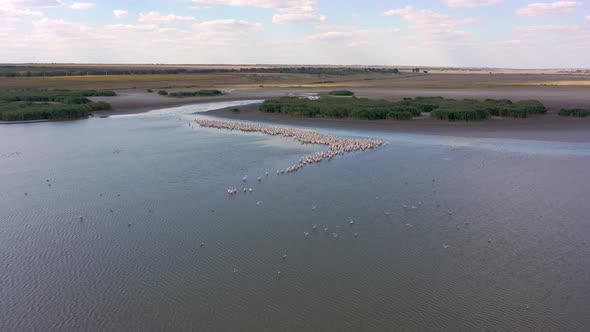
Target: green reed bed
(575,112)
(45,104)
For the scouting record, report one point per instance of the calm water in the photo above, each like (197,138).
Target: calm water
(161,246)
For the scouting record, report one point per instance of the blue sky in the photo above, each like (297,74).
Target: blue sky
(461,33)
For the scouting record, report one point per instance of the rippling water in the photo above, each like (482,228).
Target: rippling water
(160,245)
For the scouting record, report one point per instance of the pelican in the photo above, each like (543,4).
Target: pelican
(314,227)
(245,179)
(259,202)
(306,233)
(250,189)
(325,229)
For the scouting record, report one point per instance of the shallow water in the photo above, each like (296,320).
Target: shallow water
(160,245)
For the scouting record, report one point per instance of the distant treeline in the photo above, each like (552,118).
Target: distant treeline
(440,108)
(37,71)
(41,104)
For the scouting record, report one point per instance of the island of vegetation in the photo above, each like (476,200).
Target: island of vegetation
(341,93)
(576,112)
(199,93)
(45,104)
(439,107)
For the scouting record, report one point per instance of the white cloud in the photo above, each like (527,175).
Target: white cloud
(33,3)
(431,22)
(157,18)
(288,11)
(471,3)
(132,27)
(549,8)
(588,17)
(83,5)
(120,13)
(298,17)
(199,7)
(229,24)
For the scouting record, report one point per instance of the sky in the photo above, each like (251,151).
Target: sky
(454,33)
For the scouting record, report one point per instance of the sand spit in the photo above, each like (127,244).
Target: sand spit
(337,145)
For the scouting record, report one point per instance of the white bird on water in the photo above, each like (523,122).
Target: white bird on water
(245,179)
(250,189)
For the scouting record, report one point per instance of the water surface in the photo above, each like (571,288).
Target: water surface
(495,240)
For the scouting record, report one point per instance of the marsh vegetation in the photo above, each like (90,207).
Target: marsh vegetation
(575,112)
(45,104)
(439,107)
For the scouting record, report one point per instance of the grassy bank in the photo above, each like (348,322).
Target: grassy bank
(439,107)
(45,104)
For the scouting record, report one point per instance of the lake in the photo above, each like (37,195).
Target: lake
(124,223)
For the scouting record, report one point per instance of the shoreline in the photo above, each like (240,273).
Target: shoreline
(548,127)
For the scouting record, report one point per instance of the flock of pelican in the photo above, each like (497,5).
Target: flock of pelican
(337,145)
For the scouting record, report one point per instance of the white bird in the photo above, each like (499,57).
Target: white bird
(284,257)
(445,246)
(259,202)
(356,234)
(250,189)
(351,222)
(245,179)
(266,173)
(314,227)
(306,233)
(260,179)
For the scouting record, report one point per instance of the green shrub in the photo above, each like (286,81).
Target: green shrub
(163,93)
(200,93)
(579,112)
(341,93)
(149,90)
